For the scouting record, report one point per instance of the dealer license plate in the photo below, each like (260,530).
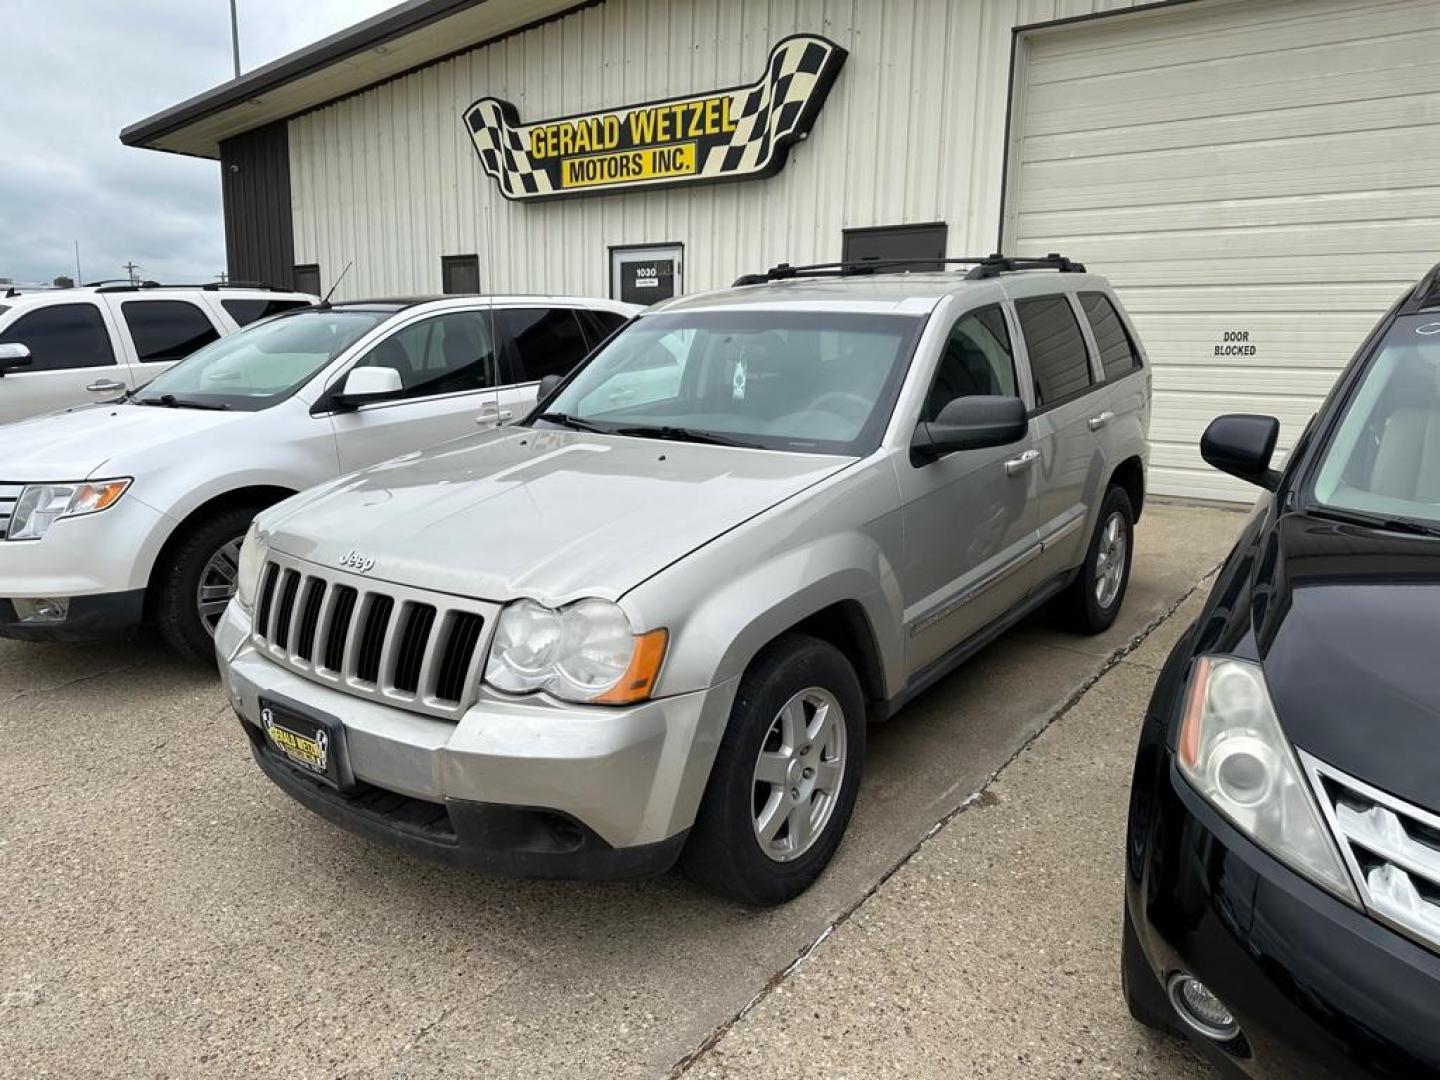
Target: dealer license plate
(310,743)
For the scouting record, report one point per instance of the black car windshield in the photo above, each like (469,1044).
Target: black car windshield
(262,364)
(810,381)
(1384,457)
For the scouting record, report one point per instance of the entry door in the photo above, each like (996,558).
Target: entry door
(73,361)
(645,275)
(450,368)
(969,518)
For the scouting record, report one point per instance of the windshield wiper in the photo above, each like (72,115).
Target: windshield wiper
(574,423)
(683,434)
(170,401)
(1377,521)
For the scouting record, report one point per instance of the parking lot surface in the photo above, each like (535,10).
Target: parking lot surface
(167,912)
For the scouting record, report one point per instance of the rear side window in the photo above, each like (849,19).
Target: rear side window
(603,323)
(548,341)
(63,337)
(166,329)
(1058,361)
(1118,355)
(976,361)
(244,312)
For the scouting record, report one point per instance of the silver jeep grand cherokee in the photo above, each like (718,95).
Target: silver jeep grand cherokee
(650,622)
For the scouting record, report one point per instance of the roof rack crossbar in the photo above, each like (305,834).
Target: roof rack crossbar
(986,267)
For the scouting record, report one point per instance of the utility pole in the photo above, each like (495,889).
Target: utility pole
(223,276)
(79,278)
(130,268)
(235,36)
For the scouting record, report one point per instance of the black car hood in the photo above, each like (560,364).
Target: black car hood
(1347,622)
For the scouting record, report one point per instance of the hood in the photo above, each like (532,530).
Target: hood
(552,515)
(1346,620)
(79,444)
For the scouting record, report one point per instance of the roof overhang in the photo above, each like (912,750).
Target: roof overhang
(392,43)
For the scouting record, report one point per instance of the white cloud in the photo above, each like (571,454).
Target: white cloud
(75,73)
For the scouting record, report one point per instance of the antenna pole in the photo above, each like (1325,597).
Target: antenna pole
(235,36)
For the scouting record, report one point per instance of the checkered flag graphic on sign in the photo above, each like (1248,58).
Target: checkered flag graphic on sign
(771,109)
(503,150)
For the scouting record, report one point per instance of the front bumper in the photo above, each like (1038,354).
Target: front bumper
(1319,989)
(89,618)
(525,786)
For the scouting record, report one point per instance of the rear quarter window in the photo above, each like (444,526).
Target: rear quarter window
(245,312)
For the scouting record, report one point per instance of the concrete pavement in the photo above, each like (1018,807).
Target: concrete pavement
(167,912)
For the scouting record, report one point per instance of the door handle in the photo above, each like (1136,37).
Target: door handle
(1017,465)
(494,416)
(105,386)
(1097,422)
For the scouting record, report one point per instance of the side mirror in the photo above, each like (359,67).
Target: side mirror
(1242,445)
(366,384)
(548,385)
(13,356)
(971,423)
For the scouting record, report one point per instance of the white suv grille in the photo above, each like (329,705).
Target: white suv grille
(8,494)
(1392,848)
(405,647)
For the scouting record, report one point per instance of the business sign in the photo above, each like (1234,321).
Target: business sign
(735,134)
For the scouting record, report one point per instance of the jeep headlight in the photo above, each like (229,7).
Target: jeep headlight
(253,553)
(583,652)
(1233,751)
(41,505)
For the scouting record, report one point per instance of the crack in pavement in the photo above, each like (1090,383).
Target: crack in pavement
(1108,664)
(51,688)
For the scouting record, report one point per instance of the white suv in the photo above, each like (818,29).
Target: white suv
(131,510)
(67,347)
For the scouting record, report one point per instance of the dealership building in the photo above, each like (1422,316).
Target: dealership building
(1259,178)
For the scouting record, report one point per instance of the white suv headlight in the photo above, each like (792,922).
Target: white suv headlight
(41,505)
(1234,752)
(253,553)
(583,652)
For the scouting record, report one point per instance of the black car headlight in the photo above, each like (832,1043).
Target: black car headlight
(1235,754)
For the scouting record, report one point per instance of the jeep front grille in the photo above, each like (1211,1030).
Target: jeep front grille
(411,648)
(9,494)
(1391,846)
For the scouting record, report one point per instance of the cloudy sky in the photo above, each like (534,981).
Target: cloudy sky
(72,74)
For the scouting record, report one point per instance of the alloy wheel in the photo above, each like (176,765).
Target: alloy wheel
(217,584)
(798,774)
(1110,560)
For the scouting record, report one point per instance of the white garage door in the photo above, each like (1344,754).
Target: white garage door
(1260,179)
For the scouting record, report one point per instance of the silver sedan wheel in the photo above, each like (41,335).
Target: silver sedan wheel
(217,584)
(1110,560)
(798,774)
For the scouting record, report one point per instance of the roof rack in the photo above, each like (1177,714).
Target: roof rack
(1425,294)
(981,268)
(124,285)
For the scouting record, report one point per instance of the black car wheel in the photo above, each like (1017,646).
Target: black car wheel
(785,777)
(196,581)
(1093,600)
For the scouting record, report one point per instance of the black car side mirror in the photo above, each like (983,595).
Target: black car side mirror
(971,423)
(1242,445)
(548,385)
(14,356)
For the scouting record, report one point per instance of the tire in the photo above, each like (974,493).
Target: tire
(1085,606)
(725,851)
(1144,996)
(175,583)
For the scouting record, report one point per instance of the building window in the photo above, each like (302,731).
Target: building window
(165,330)
(1059,363)
(460,274)
(307,278)
(921,246)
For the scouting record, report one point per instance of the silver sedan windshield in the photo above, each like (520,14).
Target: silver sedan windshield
(815,381)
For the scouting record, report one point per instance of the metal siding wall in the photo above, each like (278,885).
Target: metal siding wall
(913,131)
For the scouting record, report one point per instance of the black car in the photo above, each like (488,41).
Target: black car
(1282,899)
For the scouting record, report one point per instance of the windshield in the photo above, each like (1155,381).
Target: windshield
(264,363)
(818,382)
(1384,457)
